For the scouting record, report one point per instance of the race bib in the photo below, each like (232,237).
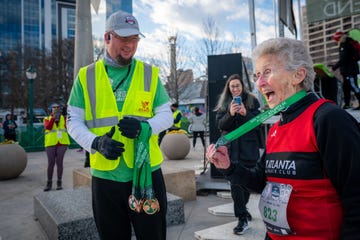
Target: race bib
(273,204)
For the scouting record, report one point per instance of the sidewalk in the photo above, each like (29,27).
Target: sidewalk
(16,200)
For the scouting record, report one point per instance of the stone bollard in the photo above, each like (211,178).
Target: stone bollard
(13,160)
(175,145)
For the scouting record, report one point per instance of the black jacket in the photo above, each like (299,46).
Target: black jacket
(338,138)
(348,65)
(245,148)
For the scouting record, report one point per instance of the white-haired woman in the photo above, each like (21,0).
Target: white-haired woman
(309,173)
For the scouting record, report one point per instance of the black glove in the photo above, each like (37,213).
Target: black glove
(108,147)
(129,127)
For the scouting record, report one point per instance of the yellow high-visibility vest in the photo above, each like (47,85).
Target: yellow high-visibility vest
(101,111)
(178,124)
(57,134)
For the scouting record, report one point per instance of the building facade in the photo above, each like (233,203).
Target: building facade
(35,23)
(318,36)
(115,5)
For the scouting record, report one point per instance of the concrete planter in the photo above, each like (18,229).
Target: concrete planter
(13,161)
(175,146)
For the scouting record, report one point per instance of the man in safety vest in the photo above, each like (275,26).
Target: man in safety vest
(177,116)
(116,108)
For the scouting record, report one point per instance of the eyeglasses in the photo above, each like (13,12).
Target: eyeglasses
(132,39)
(55,107)
(235,86)
(264,75)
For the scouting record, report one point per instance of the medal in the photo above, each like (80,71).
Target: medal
(151,206)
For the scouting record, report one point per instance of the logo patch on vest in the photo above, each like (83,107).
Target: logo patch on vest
(144,106)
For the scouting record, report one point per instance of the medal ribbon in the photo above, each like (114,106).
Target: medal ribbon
(142,197)
(259,119)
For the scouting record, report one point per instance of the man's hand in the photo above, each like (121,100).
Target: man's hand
(108,147)
(219,157)
(129,127)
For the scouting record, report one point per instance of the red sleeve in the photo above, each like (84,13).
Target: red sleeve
(48,123)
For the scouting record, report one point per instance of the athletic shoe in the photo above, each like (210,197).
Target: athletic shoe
(357,108)
(346,107)
(241,227)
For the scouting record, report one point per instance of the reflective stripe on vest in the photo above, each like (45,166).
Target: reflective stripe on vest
(178,124)
(101,109)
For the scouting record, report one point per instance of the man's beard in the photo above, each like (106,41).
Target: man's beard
(122,61)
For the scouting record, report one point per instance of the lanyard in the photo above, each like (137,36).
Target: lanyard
(123,79)
(256,121)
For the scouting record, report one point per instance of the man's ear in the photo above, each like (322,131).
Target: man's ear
(107,37)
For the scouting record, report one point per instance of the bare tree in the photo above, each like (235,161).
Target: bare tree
(54,75)
(212,44)
(181,58)
(15,82)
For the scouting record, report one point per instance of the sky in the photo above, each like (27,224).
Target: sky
(159,19)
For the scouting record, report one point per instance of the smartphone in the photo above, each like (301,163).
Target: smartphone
(237,100)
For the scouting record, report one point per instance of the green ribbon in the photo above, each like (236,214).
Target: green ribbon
(259,119)
(143,197)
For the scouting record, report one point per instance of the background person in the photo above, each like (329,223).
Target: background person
(177,116)
(349,68)
(244,150)
(304,173)
(56,143)
(116,108)
(9,127)
(198,125)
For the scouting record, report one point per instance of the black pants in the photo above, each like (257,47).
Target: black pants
(201,135)
(161,136)
(350,84)
(241,198)
(10,136)
(114,218)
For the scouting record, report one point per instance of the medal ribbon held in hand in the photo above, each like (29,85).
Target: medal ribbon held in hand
(259,119)
(142,197)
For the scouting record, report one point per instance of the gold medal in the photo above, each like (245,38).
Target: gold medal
(132,202)
(151,206)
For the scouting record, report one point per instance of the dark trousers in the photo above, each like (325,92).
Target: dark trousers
(114,218)
(241,198)
(55,155)
(198,134)
(10,136)
(161,136)
(350,84)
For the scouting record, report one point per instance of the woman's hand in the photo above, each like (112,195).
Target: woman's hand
(219,157)
(236,108)
(242,110)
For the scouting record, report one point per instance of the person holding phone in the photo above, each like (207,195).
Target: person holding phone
(235,107)
(56,143)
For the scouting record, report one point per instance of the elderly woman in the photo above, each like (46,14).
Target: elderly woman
(308,177)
